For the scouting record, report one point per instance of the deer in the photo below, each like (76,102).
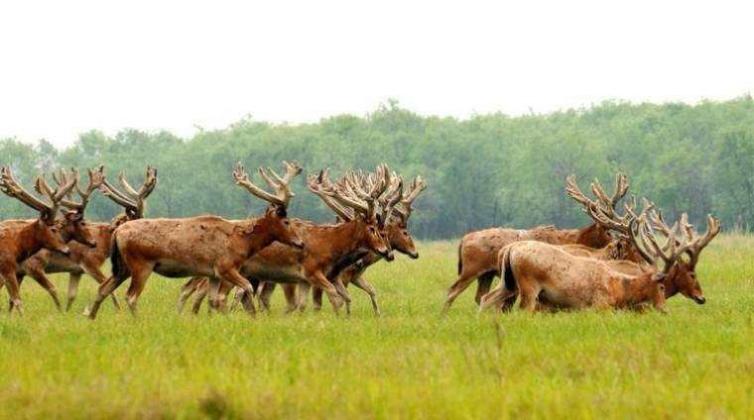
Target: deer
(20,239)
(203,245)
(396,232)
(83,259)
(478,251)
(327,246)
(546,273)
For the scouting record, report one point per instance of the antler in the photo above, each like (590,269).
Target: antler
(132,200)
(96,178)
(695,242)
(602,210)
(405,208)
(12,188)
(283,193)
(360,191)
(391,198)
(318,185)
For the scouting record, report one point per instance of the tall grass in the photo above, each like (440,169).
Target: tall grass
(695,362)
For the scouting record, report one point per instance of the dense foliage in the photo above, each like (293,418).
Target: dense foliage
(485,171)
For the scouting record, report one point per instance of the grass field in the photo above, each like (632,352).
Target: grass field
(695,362)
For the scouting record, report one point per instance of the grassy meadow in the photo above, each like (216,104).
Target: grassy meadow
(695,362)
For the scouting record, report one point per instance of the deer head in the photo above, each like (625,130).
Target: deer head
(274,225)
(51,233)
(75,214)
(397,227)
(362,194)
(659,242)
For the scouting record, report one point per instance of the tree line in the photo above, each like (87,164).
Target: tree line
(488,170)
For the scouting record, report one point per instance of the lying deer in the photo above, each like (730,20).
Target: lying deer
(327,246)
(543,272)
(478,251)
(204,245)
(83,259)
(20,239)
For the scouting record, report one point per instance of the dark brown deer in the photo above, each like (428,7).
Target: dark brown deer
(545,273)
(478,251)
(327,246)
(83,259)
(204,245)
(396,232)
(19,239)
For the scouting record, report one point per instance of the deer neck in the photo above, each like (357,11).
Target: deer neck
(638,289)
(344,239)
(28,241)
(669,282)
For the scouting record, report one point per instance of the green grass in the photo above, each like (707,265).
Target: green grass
(697,361)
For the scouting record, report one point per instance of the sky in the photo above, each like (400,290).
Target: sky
(71,66)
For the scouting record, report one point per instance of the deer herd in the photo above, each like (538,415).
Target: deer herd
(627,258)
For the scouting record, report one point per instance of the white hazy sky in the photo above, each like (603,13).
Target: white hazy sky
(69,66)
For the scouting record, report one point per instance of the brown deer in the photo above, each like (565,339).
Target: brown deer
(19,239)
(204,245)
(540,272)
(327,246)
(396,232)
(478,251)
(84,259)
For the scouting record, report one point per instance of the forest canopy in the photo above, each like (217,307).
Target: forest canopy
(488,170)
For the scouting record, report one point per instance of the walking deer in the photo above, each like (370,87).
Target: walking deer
(203,245)
(362,213)
(84,259)
(19,239)
(478,251)
(396,232)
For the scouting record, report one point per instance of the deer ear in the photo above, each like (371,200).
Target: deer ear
(659,277)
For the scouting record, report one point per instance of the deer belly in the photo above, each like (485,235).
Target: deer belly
(177,269)
(561,298)
(277,274)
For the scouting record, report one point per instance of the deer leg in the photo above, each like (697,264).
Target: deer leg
(11,282)
(528,295)
(484,282)
(138,281)
(320,280)
(187,290)
(232,276)
(39,276)
(94,271)
(265,291)
(496,298)
(289,290)
(364,285)
(303,292)
(200,295)
(213,289)
(463,282)
(343,292)
(73,289)
(317,299)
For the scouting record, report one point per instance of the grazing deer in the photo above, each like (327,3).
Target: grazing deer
(478,251)
(327,246)
(83,259)
(19,239)
(204,245)
(546,273)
